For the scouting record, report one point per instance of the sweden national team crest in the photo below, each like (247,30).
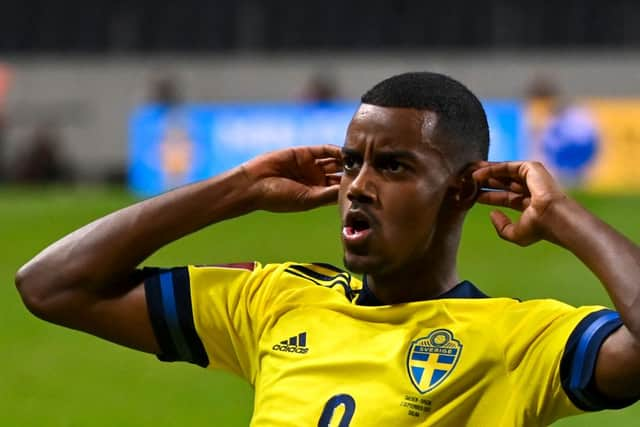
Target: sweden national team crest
(432,358)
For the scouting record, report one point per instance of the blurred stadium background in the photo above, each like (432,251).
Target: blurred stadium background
(105,102)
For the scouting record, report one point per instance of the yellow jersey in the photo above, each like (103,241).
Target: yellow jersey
(320,350)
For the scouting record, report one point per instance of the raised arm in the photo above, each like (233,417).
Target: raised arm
(88,279)
(548,213)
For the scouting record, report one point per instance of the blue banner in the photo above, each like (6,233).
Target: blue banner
(173,147)
(505,130)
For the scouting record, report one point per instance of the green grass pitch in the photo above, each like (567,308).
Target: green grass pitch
(56,378)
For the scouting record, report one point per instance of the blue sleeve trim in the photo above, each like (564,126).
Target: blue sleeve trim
(170,309)
(577,368)
(171,316)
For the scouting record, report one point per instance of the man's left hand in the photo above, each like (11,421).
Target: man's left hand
(524,186)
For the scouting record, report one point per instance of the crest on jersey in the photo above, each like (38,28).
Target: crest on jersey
(431,359)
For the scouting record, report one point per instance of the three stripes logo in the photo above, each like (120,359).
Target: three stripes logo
(295,344)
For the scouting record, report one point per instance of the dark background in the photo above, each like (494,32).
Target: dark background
(283,25)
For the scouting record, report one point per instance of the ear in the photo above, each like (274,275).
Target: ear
(465,191)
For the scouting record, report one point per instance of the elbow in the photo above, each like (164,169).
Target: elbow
(34,291)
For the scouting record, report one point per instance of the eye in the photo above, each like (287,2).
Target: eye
(350,162)
(392,166)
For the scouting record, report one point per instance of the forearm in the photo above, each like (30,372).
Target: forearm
(613,258)
(547,213)
(99,256)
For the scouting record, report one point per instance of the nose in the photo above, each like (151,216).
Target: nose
(362,188)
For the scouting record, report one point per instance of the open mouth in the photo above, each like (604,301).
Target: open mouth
(356,225)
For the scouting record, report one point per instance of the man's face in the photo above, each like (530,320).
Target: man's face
(394,182)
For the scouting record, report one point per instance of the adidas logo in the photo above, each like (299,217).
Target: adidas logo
(295,344)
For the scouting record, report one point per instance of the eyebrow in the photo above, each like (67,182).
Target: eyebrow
(394,154)
(397,154)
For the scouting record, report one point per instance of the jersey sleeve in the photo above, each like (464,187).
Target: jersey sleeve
(550,352)
(577,368)
(211,316)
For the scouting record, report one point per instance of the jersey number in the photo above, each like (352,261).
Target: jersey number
(331,406)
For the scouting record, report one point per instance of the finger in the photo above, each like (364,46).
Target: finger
(533,176)
(320,196)
(503,225)
(329,165)
(506,184)
(326,150)
(333,179)
(511,170)
(327,161)
(472,167)
(506,199)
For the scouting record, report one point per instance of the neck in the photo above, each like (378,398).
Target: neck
(428,277)
(411,286)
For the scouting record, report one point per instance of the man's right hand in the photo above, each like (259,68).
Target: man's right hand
(87,279)
(295,179)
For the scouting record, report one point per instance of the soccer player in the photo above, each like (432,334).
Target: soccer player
(410,344)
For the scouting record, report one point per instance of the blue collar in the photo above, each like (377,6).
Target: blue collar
(464,289)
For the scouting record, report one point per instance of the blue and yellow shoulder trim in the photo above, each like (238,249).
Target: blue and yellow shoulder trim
(577,368)
(169,303)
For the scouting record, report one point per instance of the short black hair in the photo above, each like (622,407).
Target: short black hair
(461,118)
